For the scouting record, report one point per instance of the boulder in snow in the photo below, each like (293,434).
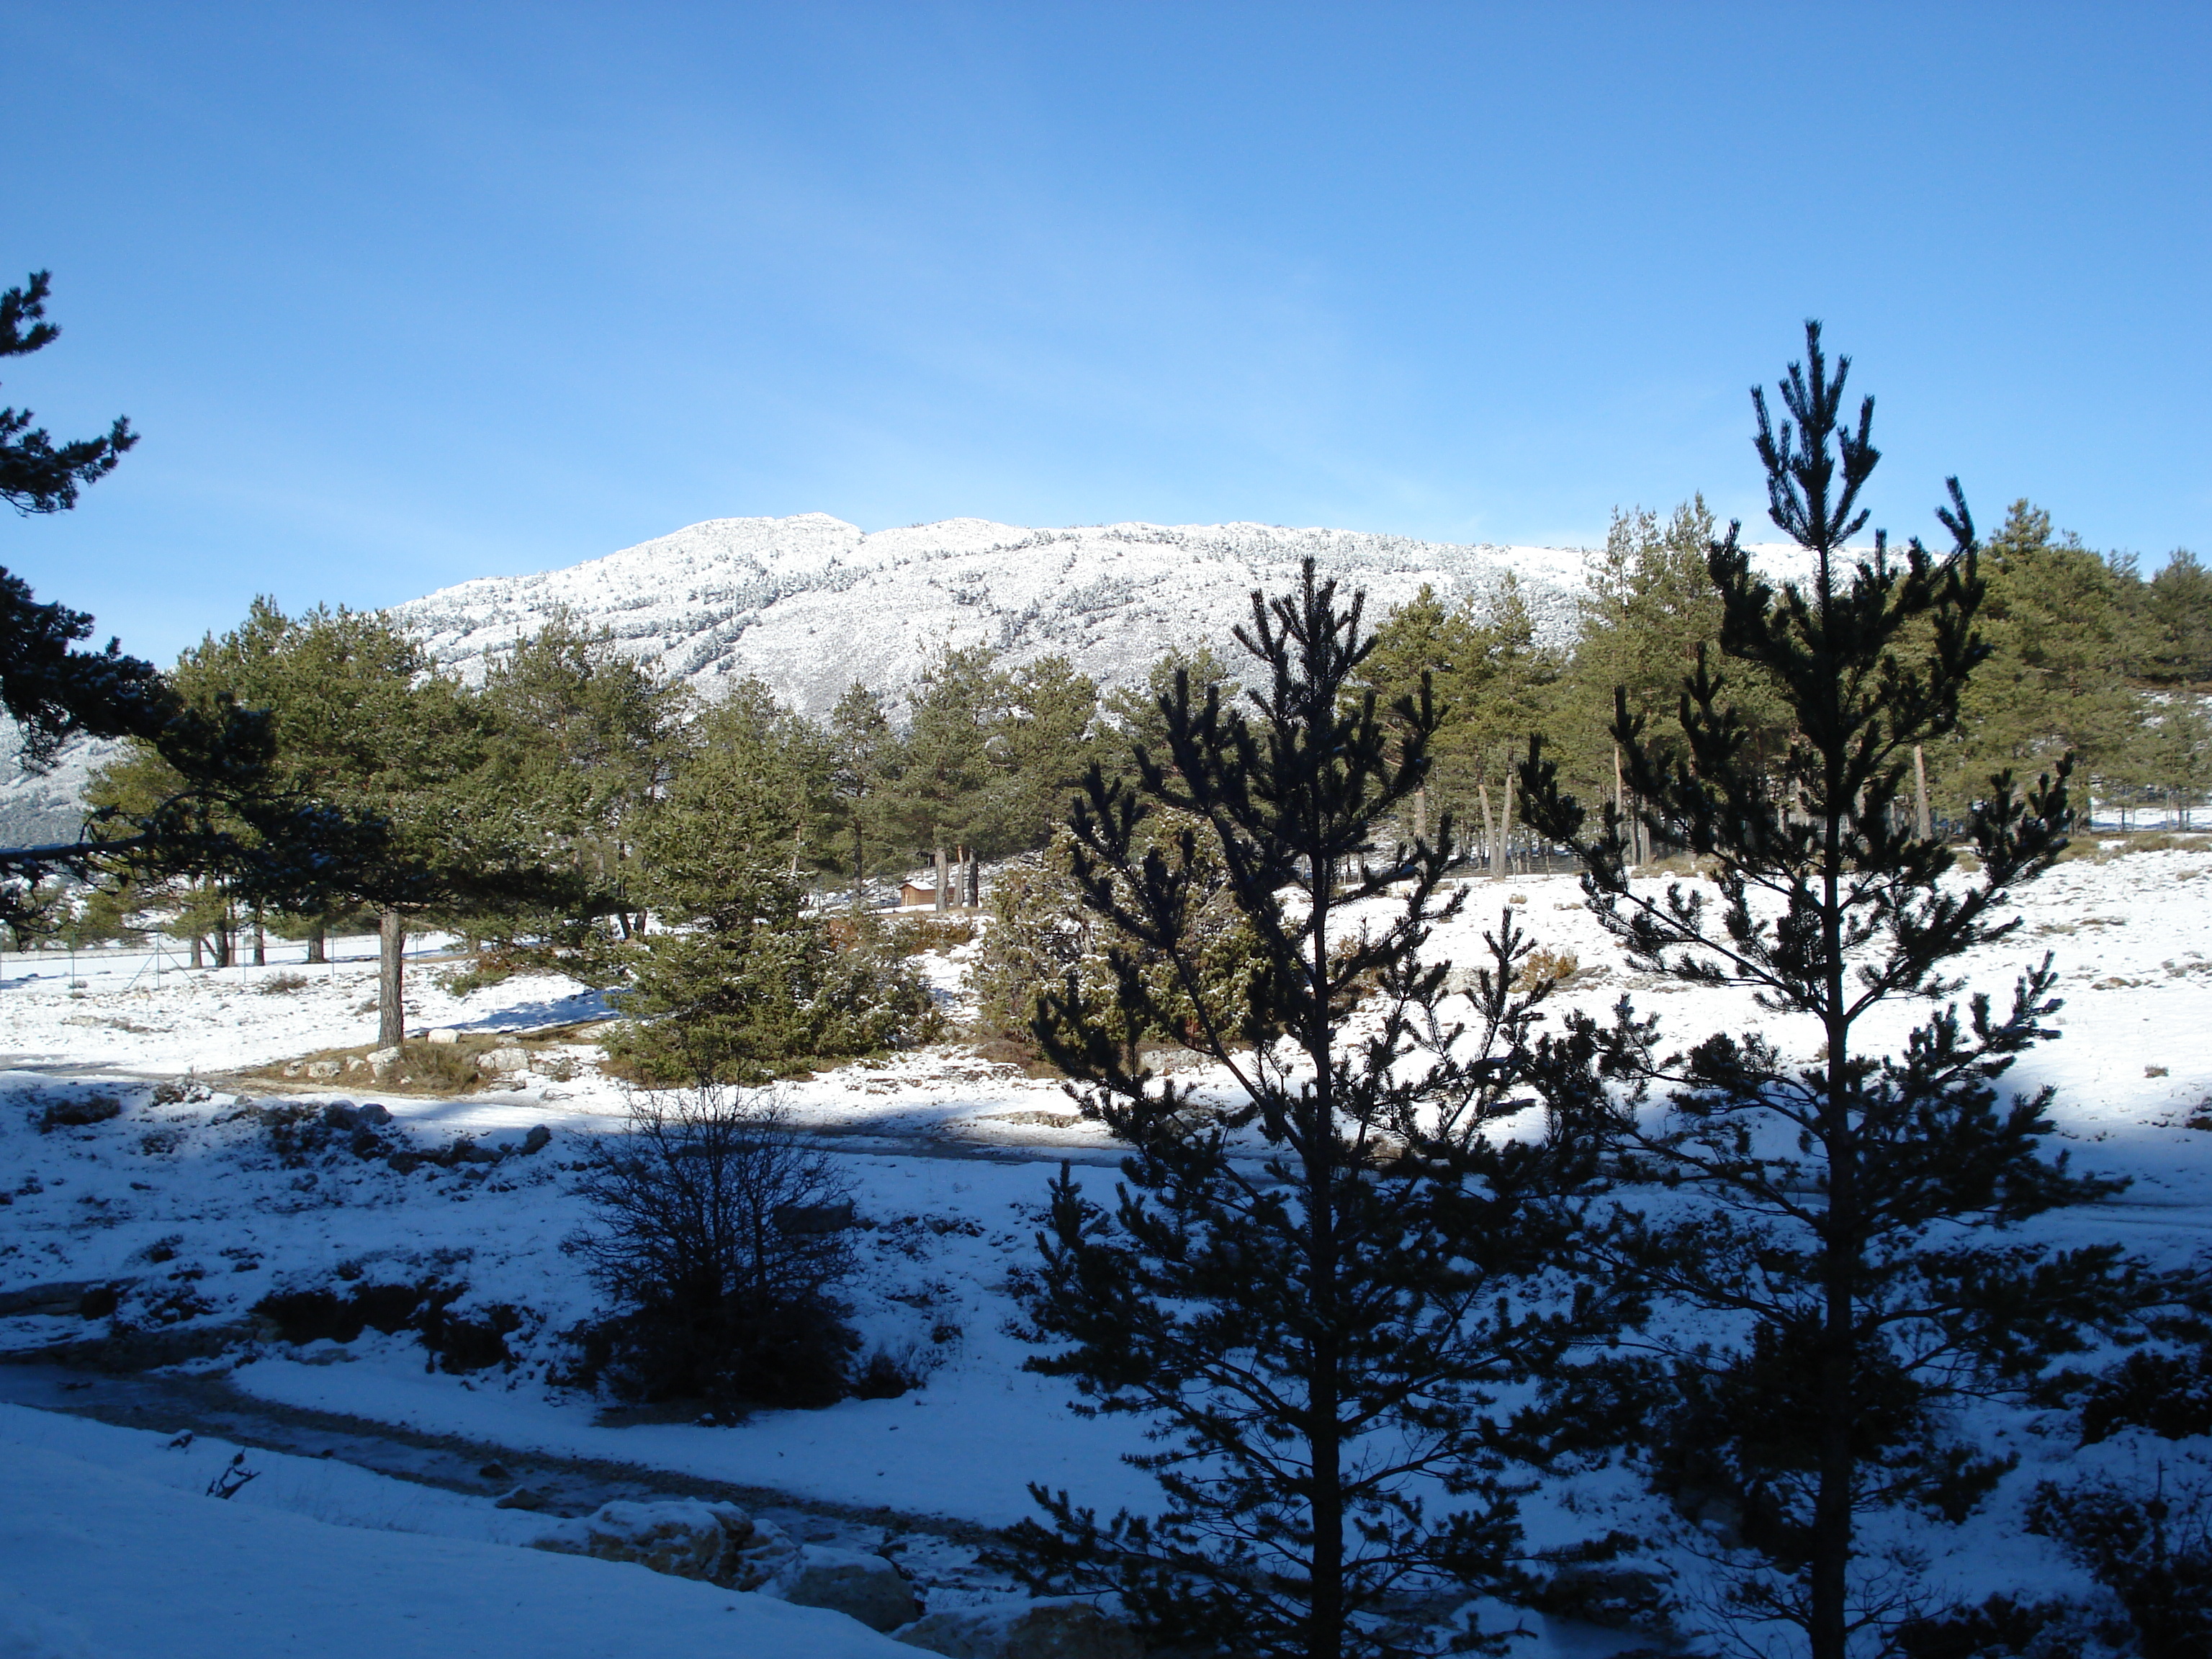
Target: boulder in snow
(761,1553)
(684,1540)
(863,1587)
(503,1061)
(445,1035)
(1057,1629)
(383,1061)
(69,1298)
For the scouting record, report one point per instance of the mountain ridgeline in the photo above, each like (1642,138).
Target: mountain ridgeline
(809,604)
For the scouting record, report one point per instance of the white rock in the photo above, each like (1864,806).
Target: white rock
(863,1587)
(683,1538)
(762,1554)
(502,1061)
(444,1035)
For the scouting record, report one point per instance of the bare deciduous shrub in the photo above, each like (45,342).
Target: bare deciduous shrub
(281,985)
(715,1298)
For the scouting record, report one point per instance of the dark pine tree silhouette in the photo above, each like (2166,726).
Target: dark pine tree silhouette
(224,812)
(1314,1288)
(1855,1198)
(36,474)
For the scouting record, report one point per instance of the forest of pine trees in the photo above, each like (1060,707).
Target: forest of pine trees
(571,806)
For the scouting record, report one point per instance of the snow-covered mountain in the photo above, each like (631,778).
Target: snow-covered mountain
(811,603)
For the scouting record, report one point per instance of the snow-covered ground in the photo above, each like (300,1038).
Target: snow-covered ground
(112,1545)
(199,1206)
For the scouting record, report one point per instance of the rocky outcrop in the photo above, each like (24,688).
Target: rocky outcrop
(723,1545)
(1024,1630)
(682,1540)
(762,1555)
(863,1587)
(84,1299)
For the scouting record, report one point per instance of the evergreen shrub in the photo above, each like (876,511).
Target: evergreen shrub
(1042,933)
(2152,1550)
(741,1004)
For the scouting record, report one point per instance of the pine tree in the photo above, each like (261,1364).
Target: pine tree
(863,775)
(1857,1200)
(51,689)
(747,976)
(946,770)
(2178,606)
(1312,1292)
(1647,609)
(1132,713)
(372,788)
(37,475)
(1040,746)
(2062,640)
(1492,683)
(580,734)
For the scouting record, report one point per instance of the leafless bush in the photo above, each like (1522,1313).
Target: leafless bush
(717,1297)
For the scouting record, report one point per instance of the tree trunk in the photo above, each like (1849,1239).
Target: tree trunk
(1421,813)
(1829,1558)
(1324,1380)
(1489,825)
(1500,859)
(260,942)
(944,875)
(1324,1401)
(198,961)
(975,880)
(317,950)
(390,1014)
(1621,805)
(223,944)
(1923,824)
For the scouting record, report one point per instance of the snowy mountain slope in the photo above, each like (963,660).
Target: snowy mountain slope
(45,806)
(811,603)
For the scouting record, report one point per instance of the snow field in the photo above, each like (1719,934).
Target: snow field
(111,1548)
(944,1151)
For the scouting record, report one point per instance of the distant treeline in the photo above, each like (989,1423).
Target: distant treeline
(572,793)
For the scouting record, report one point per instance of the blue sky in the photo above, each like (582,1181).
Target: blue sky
(404,295)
